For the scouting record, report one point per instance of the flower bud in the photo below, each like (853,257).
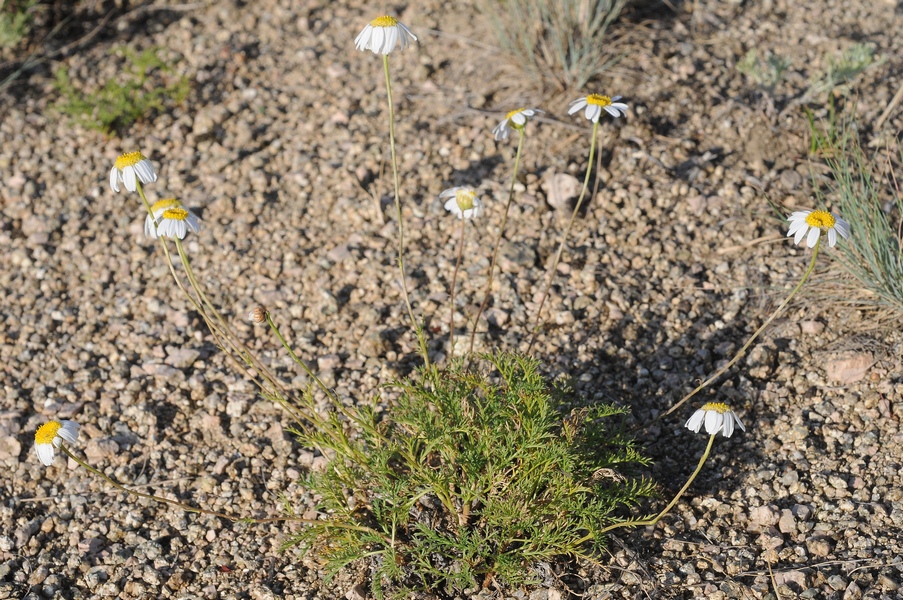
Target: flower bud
(258,315)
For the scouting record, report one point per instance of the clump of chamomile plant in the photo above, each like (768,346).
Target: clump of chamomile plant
(481,471)
(474,474)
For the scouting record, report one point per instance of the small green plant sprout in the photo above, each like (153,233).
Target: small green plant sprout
(592,106)
(146,84)
(766,73)
(874,257)
(560,43)
(517,120)
(15,21)
(464,204)
(809,225)
(841,70)
(470,476)
(381,36)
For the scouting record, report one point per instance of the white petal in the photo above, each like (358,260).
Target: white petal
(800,234)
(713,421)
(728,428)
(360,42)
(695,421)
(449,192)
(612,111)
(619,106)
(377,37)
(577,105)
(832,237)
(452,205)
(114,179)
(391,39)
(843,228)
(796,226)
(800,214)
(737,421)
(501,131)
(812,238)
(69,431)
(129,180)
(45,453)
(616,98)
(519,118)
(593,112)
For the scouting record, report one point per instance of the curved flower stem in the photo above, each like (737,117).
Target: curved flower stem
(564,238)
(418,330)
(498,241)
(657,518)
(204,511)
(451,321)
(751,339)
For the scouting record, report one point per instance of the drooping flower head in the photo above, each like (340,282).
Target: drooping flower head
(50,435)
(172,219)
(516,119)
(131,168)
(717,416)
(463,202)
(594,104)
(810,224)
(382,34)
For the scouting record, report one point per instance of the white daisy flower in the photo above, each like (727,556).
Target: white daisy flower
(158,208)
(173,220)
(595,104)
(382,34)
(463,202)
(816,222)
(717,416)
(516,119)
(50,435)
(131,168)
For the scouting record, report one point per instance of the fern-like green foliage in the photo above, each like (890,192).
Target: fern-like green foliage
(470,476)
(15,22)
(139,89)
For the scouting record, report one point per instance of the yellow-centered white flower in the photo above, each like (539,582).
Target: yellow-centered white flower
(131,168)
(172,220)
(382,34)
(463,202)
(716,416)
(50,435)
(594,104)
(810,224)
(516,119)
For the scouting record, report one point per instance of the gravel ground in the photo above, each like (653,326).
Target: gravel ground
(281,149)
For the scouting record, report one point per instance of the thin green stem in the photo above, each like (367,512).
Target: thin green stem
(404,281)
(564,238)
(451,321)
(295,358)
(498,241)
(752,338)
(657,518)
(204,511)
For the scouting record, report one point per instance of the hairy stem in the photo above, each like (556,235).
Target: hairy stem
(564,238)
(498,241)
(451,321)
(752,338)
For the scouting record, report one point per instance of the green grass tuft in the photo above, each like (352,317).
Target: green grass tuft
(125,99)
(471,476)
(560,43)
(873,205)
(15,22)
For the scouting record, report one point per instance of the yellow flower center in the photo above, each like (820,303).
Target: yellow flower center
(129,159)
(514,112)
(718,407)
(821,219)
(384,21)
(464,198)
(175,214)
(47,432)
(165,204)
(598,100)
